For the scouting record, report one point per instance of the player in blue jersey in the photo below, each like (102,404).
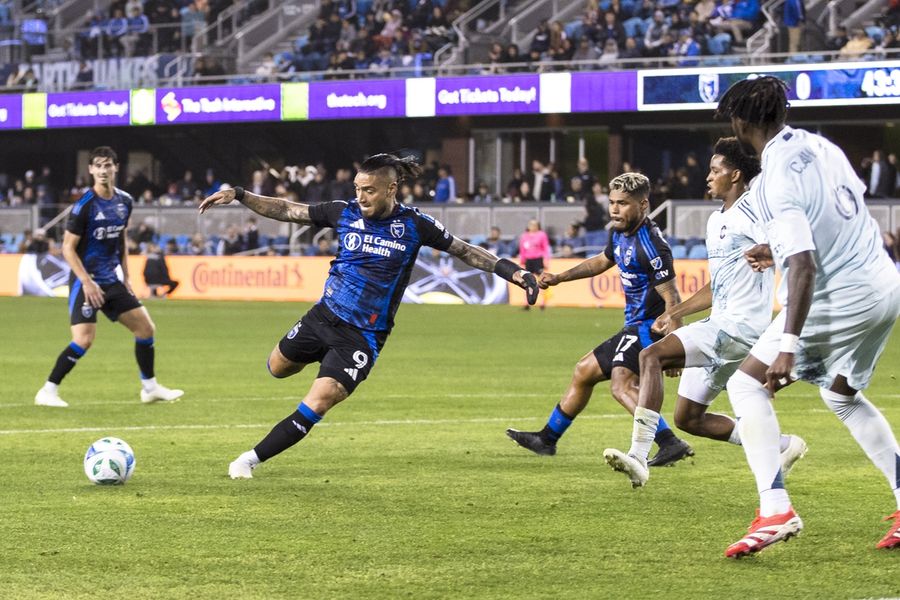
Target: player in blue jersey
(379,239)
(648,278)
(94,247)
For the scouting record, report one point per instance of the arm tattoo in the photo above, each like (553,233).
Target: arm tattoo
(587,268)
(474,256)
(669,293)
(277,208)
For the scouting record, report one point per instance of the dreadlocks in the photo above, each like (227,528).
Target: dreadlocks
(404,168)
(759,101)
(733,155)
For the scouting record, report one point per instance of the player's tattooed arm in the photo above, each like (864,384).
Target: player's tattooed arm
(273,208)
(702,300)
(669,293)
(586,268)
(474,256)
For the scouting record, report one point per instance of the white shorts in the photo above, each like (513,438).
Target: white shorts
(711,356)
(836,340)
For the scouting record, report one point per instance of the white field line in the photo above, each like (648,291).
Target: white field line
(377,423)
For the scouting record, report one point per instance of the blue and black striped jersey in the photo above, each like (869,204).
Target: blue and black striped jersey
(644,260)
(101,224)
(368,276)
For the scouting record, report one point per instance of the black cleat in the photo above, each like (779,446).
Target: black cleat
(671,453)
(533,441)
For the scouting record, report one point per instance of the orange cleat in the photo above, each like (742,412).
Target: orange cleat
(765,531)
(892,539)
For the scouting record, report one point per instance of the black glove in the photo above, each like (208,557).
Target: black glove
(531,287)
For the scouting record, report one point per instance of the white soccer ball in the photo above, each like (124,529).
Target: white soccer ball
(109,461)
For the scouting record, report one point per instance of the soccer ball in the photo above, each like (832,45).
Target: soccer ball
(109,461)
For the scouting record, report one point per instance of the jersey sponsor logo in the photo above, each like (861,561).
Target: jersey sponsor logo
(352,373)
(110,232)
(352,241)
(397,229)
(662,274)
(358,224)
(656,262)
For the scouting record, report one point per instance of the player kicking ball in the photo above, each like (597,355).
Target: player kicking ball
(379,240)
(648,278)
(841,297)
(711,350)
(94,247)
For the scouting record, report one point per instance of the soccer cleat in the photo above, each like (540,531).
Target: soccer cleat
(765,531)
(160,394)
(636,470)
(240,469)
(892,539)
(671,453)
(45,398)
(533,441)
(795,451)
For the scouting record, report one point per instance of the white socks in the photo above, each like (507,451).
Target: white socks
(249,457)
(51,387)
(871,431)
(645,423)
(736,439)
(761,439)
(149,384)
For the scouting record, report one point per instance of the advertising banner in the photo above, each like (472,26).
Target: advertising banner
(218,104)
(87,109)
(509,94)
(604,92)
(10,112)
(844,84)
(357,99)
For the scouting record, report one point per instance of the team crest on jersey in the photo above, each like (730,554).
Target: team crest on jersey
(86,311)
(656,263)
(121,211)
(722,232)
(294,331)
(352,241)
(398,229)
(627,260)
(708,87)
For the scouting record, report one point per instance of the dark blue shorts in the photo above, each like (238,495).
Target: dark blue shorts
(118,300)
(624,348)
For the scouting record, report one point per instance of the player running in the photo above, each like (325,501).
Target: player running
(94,247)
(840,293)
(379,240)
(648,278)
(712,349)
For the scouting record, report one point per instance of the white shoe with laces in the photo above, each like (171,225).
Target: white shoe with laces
(637,471)
(795,451)
(48,398)
(160,394)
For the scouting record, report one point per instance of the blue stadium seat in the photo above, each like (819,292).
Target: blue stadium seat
(698,252)
(679,251)
(182,240)
(596,238)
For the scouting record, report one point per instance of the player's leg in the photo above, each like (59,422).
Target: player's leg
(137,320)
(82,338)
(588,373)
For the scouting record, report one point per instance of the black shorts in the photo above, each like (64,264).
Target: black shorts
(118,300)
(623,349)
(346,352)
(534,265)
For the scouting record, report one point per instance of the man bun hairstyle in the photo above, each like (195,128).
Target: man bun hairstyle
(404,168)
(633,184)
(759,101)
(732,153)
(103,152)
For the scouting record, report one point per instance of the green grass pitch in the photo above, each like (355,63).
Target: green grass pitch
(409,489)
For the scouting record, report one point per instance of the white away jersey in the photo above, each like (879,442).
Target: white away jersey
(810,198)
(743,297)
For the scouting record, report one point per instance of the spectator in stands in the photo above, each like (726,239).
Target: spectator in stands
(318,189)
(156,272)
(515,183)
(210,70)
(266,71)
(198,245)
(193,20)
(171,197)
(596,209)
(495,244)
(34,36)
(496,58)
(115,28)
(512,57)
(793,17)
(172,248)
(654,37)
(211,184)
(166,19)
(136,38)
(483,195)
(573,239)
(251,234)
(445,187)
(187,186)
(878,176)
(837,39)
(29,81)
(146,197)
(540,42)
(632,50)
(541,182)
(39,244)
(696,185)
(895,168)
(610,55)
(586,53)
(231,243)
(323,247)
(577,194)
(15,74)
(737,18)
(420,192)
(611,28)
(857,46)
(143,234)
(84,79)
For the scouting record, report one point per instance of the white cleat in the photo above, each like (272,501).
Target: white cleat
(636,470)
(240,469)
(45,398)
(160,394)
(795,451)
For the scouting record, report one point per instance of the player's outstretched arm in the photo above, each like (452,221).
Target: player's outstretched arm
(274,208)
(478,257)
(586,268)
(702,300)
(669,293)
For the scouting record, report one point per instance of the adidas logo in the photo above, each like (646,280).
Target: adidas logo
(358,224)
(100,216)
(351,372)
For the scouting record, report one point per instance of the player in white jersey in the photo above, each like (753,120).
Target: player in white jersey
(840,293)
(712,349)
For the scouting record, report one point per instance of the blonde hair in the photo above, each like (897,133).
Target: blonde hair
(633,184)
